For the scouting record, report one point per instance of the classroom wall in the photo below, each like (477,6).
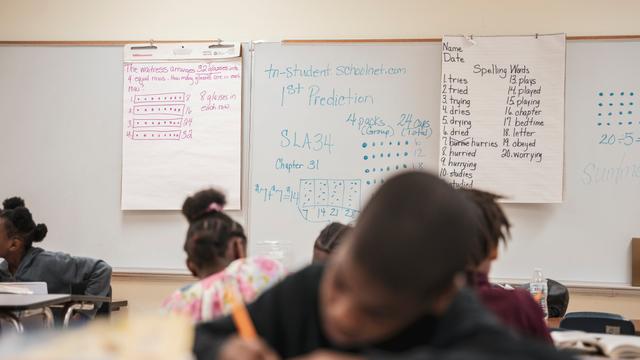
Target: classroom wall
(279,19)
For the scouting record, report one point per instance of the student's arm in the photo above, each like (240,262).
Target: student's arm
(212,336)
(5,274)
(282,316)
(93,274)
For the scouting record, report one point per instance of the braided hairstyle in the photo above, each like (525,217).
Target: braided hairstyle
(18,222)
(210,229)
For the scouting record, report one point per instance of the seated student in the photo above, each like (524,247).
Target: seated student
(393,290)
(21,261)
(216,248)
(328,240)
(515,308)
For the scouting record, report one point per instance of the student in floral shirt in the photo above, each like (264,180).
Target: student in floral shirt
(216,254)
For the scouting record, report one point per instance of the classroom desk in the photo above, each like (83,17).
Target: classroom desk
(14,307)
(115,305)
(555,323)
(81,302)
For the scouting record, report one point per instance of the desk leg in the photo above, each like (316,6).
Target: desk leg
(47,315)
(14,321)
(75,307)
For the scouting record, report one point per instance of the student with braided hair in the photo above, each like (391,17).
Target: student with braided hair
(216,248)
(23,262)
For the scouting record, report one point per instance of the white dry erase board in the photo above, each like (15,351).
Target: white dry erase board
(329,124)
(585,238)
(63,130)
(61,150)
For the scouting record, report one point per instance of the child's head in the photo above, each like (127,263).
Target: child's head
(214,239)
(328,240)
(494,226)
(406,259)
(18,231)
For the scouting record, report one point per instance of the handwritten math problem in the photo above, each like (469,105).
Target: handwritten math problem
(181,128)
(329,125)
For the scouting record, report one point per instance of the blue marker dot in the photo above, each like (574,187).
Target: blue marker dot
(366,171)
(631,93)
(381,143)
(621,104)
(404,166)
(599,104)
(381,169)
(364,145)
(609,114)
(388,168)
(599,114)
(620,113)
(630,122)
(406,153)
(374,169)
(373,156)
(620,123)
(630,112)
(610,104)
(622,93)
(398,143)
(366,157)
(388,154)
(390,143)
(599,124)
(397,167)
(608,124)
(381,155)
(610,94)
(368,182)
(398,154)
(406,142)
(600,93)
(373,143)
(631,103)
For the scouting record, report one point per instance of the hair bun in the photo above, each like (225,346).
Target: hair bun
(12,203)
(202,203)
(39,233)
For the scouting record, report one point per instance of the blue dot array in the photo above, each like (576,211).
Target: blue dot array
(619,112)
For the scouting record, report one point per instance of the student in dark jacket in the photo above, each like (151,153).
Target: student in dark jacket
(515,308)
(394,290)
(21,261)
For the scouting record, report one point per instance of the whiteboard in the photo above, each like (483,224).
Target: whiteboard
(329,124)
(61,150)
(62,135)
(585,238)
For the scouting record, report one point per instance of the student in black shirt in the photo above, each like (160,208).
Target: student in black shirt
(393,291)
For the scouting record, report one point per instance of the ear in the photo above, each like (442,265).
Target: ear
(192,267)
(238,249)
(15,244)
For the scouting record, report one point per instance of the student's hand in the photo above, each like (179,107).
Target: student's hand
(239,349)
(328,355)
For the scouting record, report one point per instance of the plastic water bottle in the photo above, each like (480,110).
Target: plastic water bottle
(539,290)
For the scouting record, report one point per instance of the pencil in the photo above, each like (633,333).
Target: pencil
(240,316)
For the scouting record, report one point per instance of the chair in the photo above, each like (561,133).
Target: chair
(598,322)
(557,298)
